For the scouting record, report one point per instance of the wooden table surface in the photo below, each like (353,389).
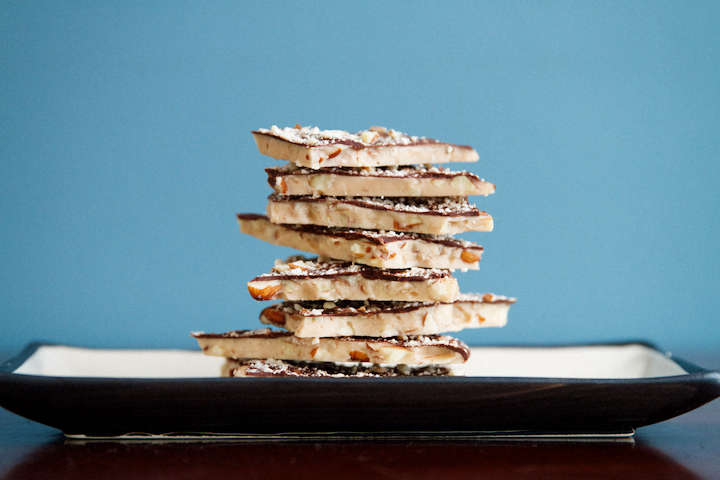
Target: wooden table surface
(686,447)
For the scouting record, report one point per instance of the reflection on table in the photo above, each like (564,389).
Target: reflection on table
(355,459)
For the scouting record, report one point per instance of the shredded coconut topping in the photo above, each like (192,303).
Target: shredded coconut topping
(313,136)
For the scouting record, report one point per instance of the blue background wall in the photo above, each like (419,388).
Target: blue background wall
(125,152)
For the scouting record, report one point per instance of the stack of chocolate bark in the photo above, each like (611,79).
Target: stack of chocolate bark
(375,300)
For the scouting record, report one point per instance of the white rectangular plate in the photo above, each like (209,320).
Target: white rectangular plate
(506,391)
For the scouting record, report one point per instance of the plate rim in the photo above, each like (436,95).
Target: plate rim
(9,366)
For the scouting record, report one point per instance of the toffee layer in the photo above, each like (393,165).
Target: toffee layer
(388,319)
(315,148)
(432,215)
(299,278)
(380,249)
(376,182)
(265,343)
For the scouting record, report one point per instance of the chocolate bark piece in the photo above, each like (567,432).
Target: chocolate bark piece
(378,146)
(279,368)
(431,215)
(403,181)
(382,249)
(300,278)
(266,343)
(388,319)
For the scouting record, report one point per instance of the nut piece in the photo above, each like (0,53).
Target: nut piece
(274,316)
(359,356)
(369,137)
(267,293)
(469,257)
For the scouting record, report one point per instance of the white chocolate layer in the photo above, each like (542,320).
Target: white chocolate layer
(325,279)
(377,249)
(310,319)
(314,149)
(376,182)
(433,215)
(262,344)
